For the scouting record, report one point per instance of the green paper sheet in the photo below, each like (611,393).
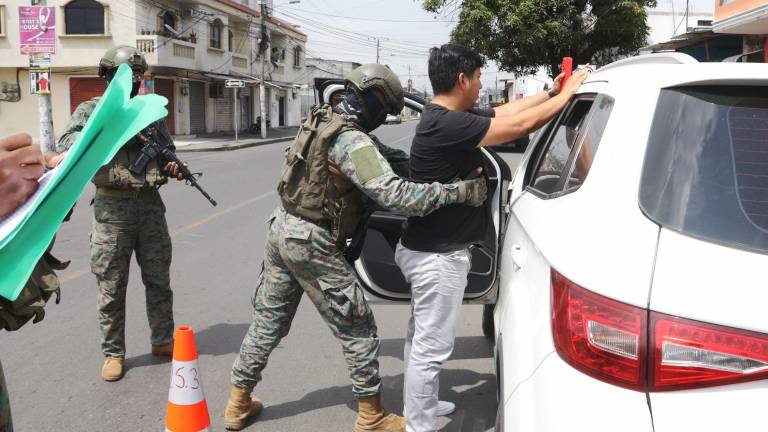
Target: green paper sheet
(116,119)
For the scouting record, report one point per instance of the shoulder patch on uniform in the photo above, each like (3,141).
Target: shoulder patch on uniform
(366,163)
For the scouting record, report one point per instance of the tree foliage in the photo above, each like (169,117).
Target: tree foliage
(524,35)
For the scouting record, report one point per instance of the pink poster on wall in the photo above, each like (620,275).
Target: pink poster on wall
(37,29)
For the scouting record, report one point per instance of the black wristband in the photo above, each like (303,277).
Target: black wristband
(552,92)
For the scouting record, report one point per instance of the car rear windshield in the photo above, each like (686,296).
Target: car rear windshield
(705,172)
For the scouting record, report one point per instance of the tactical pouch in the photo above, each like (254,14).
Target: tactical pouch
(31,301)
(348,211)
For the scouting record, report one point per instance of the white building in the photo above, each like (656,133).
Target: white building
(192,47)
(322,68)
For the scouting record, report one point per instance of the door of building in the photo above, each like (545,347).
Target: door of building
(281,110)
(164,87)
(197,107)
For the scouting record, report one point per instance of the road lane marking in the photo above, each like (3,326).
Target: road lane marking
(183,229)
(401,139)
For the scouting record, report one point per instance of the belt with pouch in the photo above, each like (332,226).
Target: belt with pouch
(145,192)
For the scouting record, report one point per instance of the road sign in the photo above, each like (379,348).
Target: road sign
(37,29)
(234,83)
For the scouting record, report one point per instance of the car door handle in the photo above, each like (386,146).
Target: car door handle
(518,256)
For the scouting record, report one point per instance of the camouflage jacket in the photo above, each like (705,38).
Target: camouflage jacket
(115,173)
(381,184)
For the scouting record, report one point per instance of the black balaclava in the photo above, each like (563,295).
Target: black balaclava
(368,109)
(135,86)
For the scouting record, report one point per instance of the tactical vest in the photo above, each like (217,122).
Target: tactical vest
(116,175)
(310,186)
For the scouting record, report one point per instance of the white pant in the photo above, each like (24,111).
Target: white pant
(437,286)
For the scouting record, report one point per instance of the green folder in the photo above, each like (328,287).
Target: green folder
(116,119)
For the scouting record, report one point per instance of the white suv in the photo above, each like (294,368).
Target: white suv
(628,256)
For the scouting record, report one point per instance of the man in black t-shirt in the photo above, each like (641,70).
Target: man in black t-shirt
(433,253)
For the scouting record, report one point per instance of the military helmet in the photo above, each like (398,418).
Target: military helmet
(116,56)
(372,75)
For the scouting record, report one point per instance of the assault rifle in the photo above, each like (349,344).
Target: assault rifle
(157,147)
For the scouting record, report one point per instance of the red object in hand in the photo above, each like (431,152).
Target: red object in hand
(567,68)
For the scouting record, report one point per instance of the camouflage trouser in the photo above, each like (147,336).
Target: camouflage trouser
(6,425)
(301,258)
(120,226)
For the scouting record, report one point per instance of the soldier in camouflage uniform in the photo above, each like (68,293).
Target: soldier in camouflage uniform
(129,215)
(330,166)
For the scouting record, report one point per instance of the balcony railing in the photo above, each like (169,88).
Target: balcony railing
(239,62)
(166,52)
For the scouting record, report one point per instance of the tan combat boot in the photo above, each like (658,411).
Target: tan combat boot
(372,418)
(240,407)
(163,350)
(112,369)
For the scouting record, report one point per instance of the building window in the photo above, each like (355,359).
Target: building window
(215,30)
(230,40)
(168,19)
(297,57)
(84,17)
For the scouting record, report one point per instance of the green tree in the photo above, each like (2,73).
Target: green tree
(524,35)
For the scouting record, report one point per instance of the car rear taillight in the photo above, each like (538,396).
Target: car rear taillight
(607,340)
(599,336)
(692,354)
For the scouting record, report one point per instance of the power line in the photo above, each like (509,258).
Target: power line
(372,19)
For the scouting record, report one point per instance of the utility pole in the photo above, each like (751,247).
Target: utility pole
(378,43)
(263,51)
(44,109)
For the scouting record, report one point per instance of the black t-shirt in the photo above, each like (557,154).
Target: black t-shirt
(444,149)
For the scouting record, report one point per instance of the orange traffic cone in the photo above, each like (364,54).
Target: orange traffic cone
(187,410)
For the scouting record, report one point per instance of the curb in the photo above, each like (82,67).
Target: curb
(226,147)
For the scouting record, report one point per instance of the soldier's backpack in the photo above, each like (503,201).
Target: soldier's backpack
(31,301)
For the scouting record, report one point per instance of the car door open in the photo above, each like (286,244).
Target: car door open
(381,277)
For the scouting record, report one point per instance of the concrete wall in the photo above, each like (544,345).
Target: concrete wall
(662,24)
(23,116)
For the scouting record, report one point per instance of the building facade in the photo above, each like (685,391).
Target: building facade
(321,68)
(192,48)
(748,18)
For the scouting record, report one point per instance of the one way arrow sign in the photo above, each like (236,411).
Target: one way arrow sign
(234,83)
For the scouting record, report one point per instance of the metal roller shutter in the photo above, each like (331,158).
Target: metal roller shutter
(197,107)
(224,112)
(83,89)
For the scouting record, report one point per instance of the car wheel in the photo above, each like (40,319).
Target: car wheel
(488,329)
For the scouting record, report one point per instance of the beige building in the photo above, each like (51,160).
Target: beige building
(192,47)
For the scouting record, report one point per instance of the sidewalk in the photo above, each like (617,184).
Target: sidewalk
(220,142)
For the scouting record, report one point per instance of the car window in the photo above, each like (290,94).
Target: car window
(547,178)
(589,140)
(705,172)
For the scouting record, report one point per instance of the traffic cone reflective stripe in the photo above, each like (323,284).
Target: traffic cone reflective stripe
(187,410)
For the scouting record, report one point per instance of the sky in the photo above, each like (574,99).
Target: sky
(349,29)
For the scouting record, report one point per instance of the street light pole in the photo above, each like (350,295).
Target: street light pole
(263,50)
(44,109)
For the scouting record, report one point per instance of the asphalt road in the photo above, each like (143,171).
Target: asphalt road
(53,368)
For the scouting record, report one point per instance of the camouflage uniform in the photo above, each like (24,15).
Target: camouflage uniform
(6,424)
(127,219)
(303,257)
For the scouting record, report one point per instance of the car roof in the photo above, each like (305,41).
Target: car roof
(651,71)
